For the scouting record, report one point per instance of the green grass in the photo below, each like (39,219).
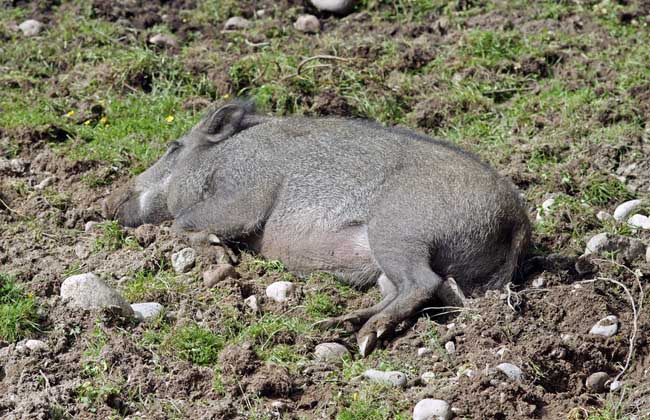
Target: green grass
(147,285)
(18,311)
(112,238)
(195,344)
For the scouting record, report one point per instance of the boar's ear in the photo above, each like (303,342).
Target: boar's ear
(223,122)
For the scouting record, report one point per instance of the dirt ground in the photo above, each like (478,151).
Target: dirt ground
(99,364)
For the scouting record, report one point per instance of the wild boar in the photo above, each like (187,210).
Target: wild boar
(367,203)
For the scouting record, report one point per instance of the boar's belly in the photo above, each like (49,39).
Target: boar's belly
(344,252)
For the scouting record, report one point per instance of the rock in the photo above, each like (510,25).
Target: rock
(596,381)
(147,311)
(450,293)
(222,272)
(164,40)
(183,260)
(538,282)
(32,346)
(606,327)
(145,234)
(335,6)
(596,243)
(393,378)
(470,373)
(450,347)
(307,23)
(615,386)
(639,221)
(511,371)
(430,409)
(603,216)
(625,209)
(502,352)
(251,302)
(81,251)
(545,209)
(279,406)
(87,291)
(236,22)
(330,352)
(13,166)
(424,351)
(31,27)
(89,226)
(280,291)
(428,377)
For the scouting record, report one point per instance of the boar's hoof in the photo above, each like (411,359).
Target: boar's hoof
(367,344)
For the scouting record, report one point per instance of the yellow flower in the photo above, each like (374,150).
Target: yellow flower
(30,295)
(226,96)
(103,120)
(70,114)
(87,122)
(169,118)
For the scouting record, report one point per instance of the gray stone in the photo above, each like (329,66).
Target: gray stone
(13,166)
(251,302)
(307,23)
(428,377)
(639,221)
(606,327)
(330,352)
(81,250)
(87,291)
(424,351)
(430,409)
(596,243)
(545,209)
(625,209)
(450,347)
(615,386)
(511,371)
(629,248)
(31,27)
(183,260)
(237,22)
(280,291)
(603,216)
(334,6)
(164,40)
(596,382)
(147,311)
(220,273)
(393,378)
(90,226)
(32,346)
(538,282)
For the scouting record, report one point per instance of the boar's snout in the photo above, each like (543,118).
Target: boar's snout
(119,206)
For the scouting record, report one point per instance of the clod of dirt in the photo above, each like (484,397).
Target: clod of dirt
(13,166)
(307,23)
(596,382)
(144,234)
(222,272)
(271,381)
(238,360)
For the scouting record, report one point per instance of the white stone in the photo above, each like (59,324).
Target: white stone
(606,327)
(164,40)
(251,302)
(596,242)
(280,291)
(90,226)
(31,27)
(450,347)
(596,382)
(511,371)
(502,352)
(430,409)
(36,345)
(307,23)
(603,216)
(615,386)
(394,378)
(237,22)
(87,291)
(334,6)
(183,260)
(545,209)
(625,209)
(639,221)
(424,351)
(330,352)
(81,250)
(147,311)
(538,282)
(428,377)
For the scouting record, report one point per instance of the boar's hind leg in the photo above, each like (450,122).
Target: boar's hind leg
(415,282)
(357,318)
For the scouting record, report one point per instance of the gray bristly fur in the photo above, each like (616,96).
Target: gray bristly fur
(349,197)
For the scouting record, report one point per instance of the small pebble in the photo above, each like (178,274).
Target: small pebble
(639,221)
(307,24)
(31,27)
(163,40)
(87,291)
(596,382)
(146,311)
(430,409)
(89,226)
(428,377)
(394,378)
(511,371)
(424,351)
(606,327)
(280,291)
(251,302)
(596,243)
(625,209)
(450,347)
(334,6)
(615,386)
(183,260)
(502,352)
(538,282)
(222,272)
(603,216)
(81,250)
(330,352)
(545,209)
(279,405)
(32,346)
(46,182)
(237,22)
